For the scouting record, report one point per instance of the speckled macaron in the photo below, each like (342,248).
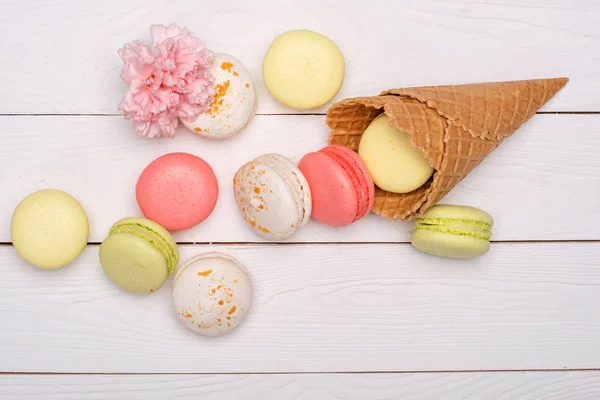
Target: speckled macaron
(235,100)
(273,196)
(212,293)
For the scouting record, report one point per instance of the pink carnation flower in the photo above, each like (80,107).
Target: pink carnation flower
(167,79)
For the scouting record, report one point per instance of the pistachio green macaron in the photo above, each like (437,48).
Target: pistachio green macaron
(453,231)
(138,255)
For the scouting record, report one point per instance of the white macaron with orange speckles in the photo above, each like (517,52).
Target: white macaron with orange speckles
(273,195)
(212,293)
(235,100)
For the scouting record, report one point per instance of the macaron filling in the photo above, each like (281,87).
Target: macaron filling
(358,179)
(460,227)
(153,237)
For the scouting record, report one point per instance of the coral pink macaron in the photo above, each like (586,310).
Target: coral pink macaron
(342,188)
(177,190)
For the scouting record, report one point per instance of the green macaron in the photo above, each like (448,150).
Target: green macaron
(453,231)
(138,255)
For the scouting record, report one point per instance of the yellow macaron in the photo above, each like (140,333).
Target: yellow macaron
(303,69)
(394,164)
(49,229)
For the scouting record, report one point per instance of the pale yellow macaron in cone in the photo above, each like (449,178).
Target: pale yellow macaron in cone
(394,164)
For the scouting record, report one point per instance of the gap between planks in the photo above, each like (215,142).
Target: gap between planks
(461,371)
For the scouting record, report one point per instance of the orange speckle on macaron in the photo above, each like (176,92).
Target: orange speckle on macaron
(226,66)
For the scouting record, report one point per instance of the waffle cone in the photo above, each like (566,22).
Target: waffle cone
(454,127)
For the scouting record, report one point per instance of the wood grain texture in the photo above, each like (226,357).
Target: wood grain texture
(541,184)
(317,308)
(61,56)
(448,386)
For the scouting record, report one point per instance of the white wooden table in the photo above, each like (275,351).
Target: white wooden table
(353,313)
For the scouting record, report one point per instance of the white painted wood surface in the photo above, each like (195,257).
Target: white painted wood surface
(62,55)
(319,308)
(532,184)
(448,386)
(323,308)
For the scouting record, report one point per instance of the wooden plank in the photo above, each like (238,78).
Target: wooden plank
(449,386)
(62,57)
(319,308)
(541,184)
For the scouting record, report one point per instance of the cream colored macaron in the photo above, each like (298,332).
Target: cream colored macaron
(394,164)
(49,229)
(235,100)
(303,69)
(212,293)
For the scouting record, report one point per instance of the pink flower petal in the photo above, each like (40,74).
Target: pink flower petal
(167,80)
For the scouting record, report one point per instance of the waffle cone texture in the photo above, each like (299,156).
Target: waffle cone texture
(455,127)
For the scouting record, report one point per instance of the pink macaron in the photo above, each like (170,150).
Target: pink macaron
(177,190)
(342,188)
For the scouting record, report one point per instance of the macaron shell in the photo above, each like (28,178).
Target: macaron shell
(296,180)
(303,69)
(448,245)
(449,211)
(133,263)
(49,229)
(235,100)
(212,294)
(153,233)
(274,200)
(334,200)
(394,164)
(359,173)
(177,190)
